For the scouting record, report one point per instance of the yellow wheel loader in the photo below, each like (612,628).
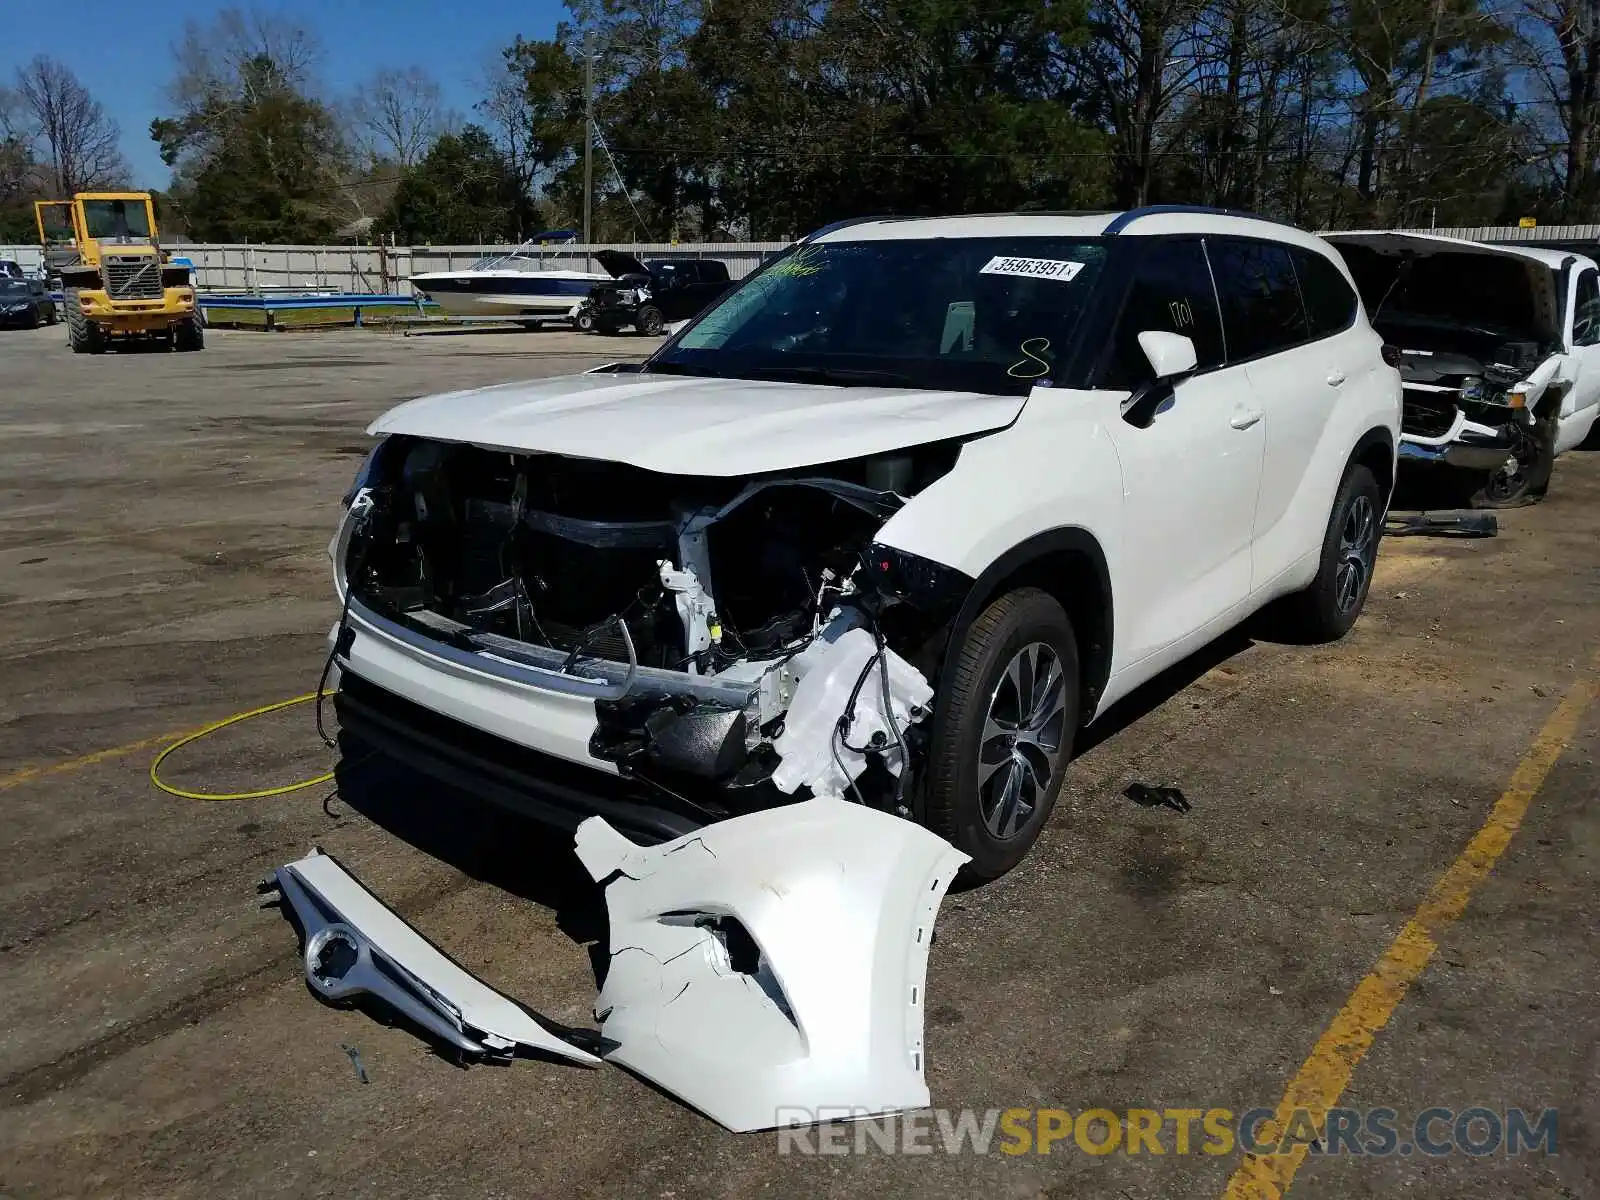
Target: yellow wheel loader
(116,280)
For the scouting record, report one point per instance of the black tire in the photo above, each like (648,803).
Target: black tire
(34,319)
(188,335)
(584,321)
(651,321)
(1325,611)
(50,315)
(82,334)
(958,805)
(1526,475)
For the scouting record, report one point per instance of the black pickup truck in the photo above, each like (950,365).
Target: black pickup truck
(649,296)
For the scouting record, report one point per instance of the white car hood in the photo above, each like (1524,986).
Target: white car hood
(1385,242)
(683,425)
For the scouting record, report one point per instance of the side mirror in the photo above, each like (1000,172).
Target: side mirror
(1170,354)
(1172,357)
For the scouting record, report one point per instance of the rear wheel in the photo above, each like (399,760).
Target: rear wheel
(1327,609)
(50,316)
(1004,725)
(584,321)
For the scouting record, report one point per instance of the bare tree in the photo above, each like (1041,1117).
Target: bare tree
(240,51)
(17,166)
(506,113)
(1139,65)
(1561,52)
(72,126)
(397,114)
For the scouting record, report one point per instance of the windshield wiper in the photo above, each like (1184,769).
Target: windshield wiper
(838,376)
(679,368)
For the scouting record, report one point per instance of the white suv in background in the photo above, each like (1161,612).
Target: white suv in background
(889,522)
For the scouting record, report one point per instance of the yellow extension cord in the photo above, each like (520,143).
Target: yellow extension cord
(155,767)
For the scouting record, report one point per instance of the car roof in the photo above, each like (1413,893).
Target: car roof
(1155,220)
(1393,241)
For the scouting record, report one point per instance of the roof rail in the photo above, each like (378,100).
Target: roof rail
(845,224)
(1155,210)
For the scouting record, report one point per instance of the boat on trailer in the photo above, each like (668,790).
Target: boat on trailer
(519,283)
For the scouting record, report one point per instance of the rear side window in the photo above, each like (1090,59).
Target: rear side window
(1171,292)
(713,271)
(1261,308)
(1330,300)
(1586,311)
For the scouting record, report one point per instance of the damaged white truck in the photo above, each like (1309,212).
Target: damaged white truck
(1499,348)
(888,524)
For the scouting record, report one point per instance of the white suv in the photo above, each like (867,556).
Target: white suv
(889,522)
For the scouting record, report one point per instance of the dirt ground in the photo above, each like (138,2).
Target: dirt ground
(163,529)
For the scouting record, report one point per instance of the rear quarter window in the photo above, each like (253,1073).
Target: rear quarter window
(1330,300)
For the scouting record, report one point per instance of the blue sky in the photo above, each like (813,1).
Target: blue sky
(122,50)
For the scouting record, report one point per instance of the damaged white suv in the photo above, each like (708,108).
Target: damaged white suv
(889,522)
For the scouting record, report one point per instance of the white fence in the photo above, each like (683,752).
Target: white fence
(383,270)
(386,269)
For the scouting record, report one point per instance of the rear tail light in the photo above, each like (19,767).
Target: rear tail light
(1391,355)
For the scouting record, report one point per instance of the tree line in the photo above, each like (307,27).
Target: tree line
(763,119)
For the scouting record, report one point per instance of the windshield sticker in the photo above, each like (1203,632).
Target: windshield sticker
(1031,366)
(1032,268)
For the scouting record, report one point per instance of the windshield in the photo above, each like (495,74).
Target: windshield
(116,219)
(972,314)
(12,287)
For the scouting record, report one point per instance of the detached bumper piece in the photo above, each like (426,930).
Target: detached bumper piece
(763,969)
(355,946)
(774,961)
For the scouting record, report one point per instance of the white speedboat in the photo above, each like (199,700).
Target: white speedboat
(509,285)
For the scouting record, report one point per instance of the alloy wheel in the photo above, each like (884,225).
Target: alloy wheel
(1358,545)
(1024,732)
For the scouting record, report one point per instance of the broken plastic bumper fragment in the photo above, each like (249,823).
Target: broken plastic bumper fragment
(354,946)
(774,961)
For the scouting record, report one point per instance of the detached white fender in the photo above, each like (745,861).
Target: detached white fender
(774,961)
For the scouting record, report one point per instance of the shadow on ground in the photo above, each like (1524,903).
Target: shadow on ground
(479,839)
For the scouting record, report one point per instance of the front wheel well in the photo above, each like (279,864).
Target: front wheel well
(1068,565)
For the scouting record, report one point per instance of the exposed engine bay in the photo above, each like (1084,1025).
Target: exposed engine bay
(1446,367)
(763,646)
(1471,328)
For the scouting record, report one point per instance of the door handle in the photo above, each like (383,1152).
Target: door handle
(1335,377)
(1243,418)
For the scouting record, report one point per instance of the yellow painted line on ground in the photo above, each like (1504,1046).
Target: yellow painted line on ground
(67,766)
(45,770)
(1325,1075)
